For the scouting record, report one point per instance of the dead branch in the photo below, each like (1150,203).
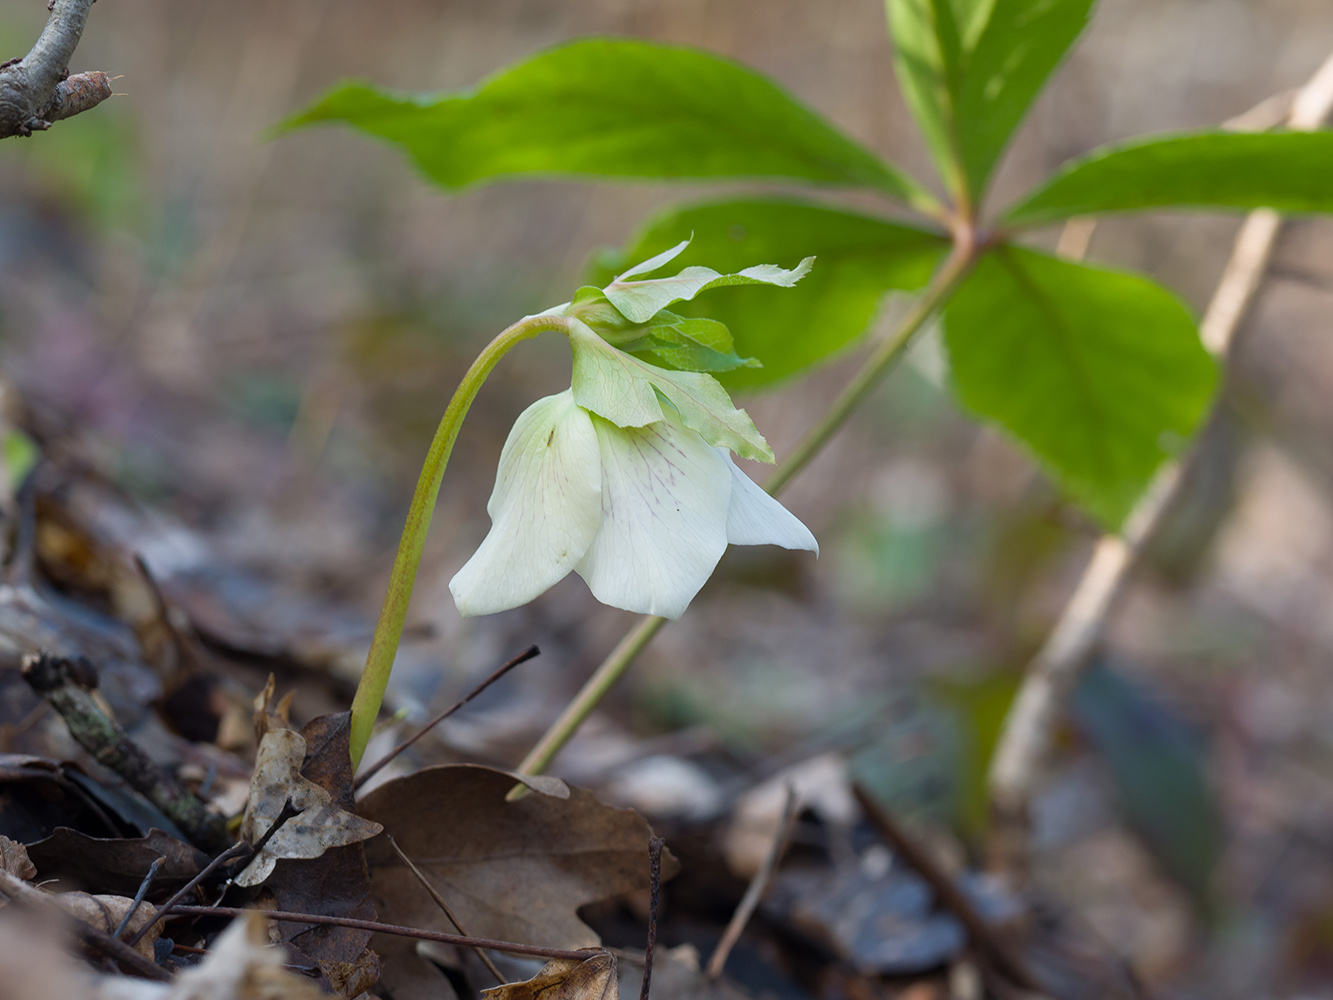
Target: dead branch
(983,936)
(398,930)
(1053,671)
(67,685)
(37,89)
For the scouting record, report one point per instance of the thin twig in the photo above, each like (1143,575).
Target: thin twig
(655,845)
(37,90)
(1052,673)
(507,666)
(138,897)
(398,930)
(20,892)
(66,683)
(754,892)
(439,901)
(1005,959)
(236,850)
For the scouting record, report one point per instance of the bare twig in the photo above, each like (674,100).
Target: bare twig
(20,892)
(655,845)
(984,937)
(66,684)
(37,89)
(236,850)
(398,930)
(504,668)
(1050,676)
(754,892)
(138,897)
(439,901)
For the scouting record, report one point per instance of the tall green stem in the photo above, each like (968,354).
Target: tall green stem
(393,613)
(869,375)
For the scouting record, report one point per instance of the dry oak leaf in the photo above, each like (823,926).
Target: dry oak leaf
(318,825)
(116,865)
(14,859)
(594,978)
(516,871)
(104,913)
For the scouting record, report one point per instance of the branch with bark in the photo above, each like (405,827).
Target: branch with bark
(37,89)
(1028,730)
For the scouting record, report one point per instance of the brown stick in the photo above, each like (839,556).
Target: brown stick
(37,90)
(284,916)
(1026,736)
(20,892)
(655,845)
(504,668)
(66,685)
(982,935)
(754,892)
(439,901)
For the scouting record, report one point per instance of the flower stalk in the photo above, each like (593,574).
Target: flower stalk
(393,613)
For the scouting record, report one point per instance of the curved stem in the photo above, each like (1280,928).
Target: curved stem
(393,613)
(876,366)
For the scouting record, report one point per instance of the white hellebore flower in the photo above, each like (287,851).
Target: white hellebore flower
(637,496)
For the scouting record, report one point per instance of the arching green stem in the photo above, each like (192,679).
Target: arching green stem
(393,613)
(881,361)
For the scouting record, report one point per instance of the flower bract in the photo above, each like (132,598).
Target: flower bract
(642,513)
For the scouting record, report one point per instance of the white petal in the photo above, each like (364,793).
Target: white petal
(665,493)
(544,510)
(755,518)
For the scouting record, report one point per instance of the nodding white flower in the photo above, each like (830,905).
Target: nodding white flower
(643,513)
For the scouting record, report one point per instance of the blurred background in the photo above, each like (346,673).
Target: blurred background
(258,336)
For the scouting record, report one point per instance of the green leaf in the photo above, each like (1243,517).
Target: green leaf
(613,108)
(970,69)
(860,259)
(692,344)
(628,391)
(1289,171)
(1099,372)
(640,299)
(1160,769)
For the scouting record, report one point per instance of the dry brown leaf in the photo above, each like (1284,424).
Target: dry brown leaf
(242,966)
(14,859)
(335,884)
(104,913)
(565,979)
(319,824)
(116,866)
(517,871)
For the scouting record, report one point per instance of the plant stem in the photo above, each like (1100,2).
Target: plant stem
(876,366)
(393,613)
(602,680)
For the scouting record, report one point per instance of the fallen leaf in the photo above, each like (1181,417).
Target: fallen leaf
(335,884)
(242,966)
(116,866)
(517,871)
(14,859)
(565,979)
(104,913)
(318,824)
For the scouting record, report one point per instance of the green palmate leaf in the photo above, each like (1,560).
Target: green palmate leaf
(859,259)
(613,108)
(1100,373)
(695,344)
(970,70)
(640,299)
(1289,171)
(628,391)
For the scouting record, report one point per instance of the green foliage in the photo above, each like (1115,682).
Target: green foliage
(1099,372)
(970,69)
(1160,772)
(1289,171)
(613,108)
(859,259)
